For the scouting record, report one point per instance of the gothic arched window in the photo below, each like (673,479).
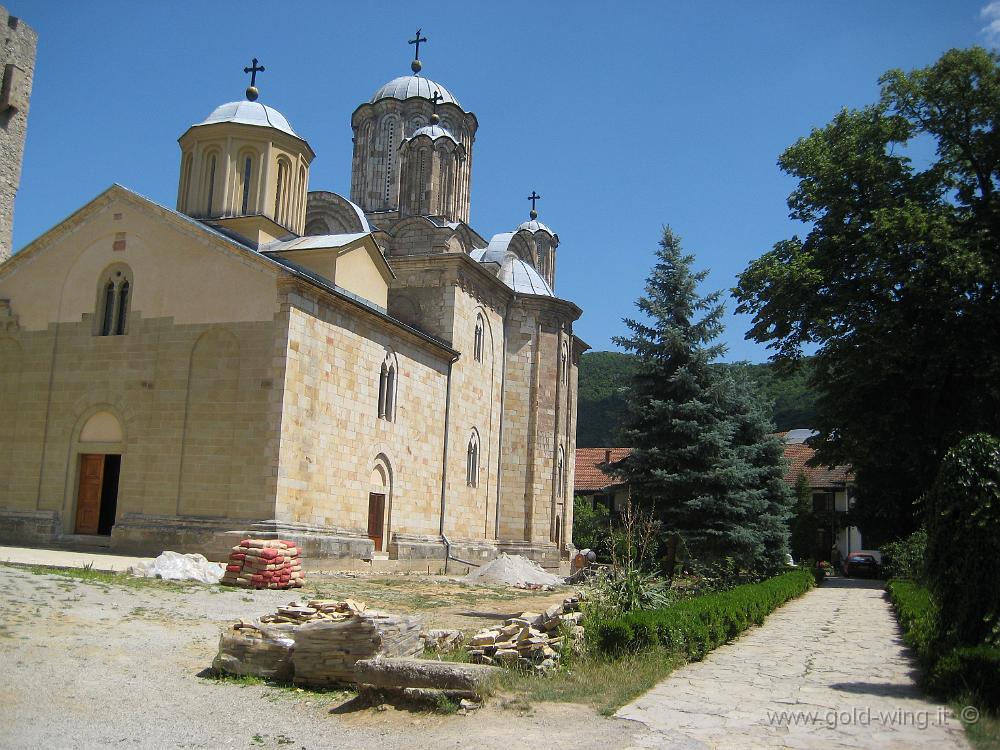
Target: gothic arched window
(247,174)
(472,460)
(477,346)
(560,473)
(387,389)
(113,300)
(211,163)
(280,187)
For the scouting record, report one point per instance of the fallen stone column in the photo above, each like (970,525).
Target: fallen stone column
(422,673)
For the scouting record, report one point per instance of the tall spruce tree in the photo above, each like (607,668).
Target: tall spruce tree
(701,456)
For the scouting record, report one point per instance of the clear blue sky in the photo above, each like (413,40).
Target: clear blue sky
(624,116)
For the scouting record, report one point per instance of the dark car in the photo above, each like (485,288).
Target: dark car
(861,565)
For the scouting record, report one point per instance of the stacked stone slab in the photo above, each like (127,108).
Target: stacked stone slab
(316,644)
(327,650)
(532,640)
(256,650)
(264,564)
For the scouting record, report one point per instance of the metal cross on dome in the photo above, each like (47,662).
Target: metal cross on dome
(533,197)
(253,70)
(435,100)
(417,40)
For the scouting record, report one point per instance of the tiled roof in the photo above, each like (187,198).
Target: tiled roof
(818,476)
(589,478)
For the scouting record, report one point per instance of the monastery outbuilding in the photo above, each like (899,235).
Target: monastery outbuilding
(368,377)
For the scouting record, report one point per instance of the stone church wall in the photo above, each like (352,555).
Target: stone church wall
(333,441)
(539,419)
(192,386)
(17,68)
(475,407)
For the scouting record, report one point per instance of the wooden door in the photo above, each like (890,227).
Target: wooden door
(88,499)
(376,519)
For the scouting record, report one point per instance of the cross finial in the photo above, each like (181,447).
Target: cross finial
(417,39)
(253,70)
(534,197)
(435,100)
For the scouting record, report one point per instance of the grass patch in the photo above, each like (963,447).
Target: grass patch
(410,593)
(983,734)
(605,683)
(105,578)
(285,689)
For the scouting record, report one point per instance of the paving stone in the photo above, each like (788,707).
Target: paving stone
(835,657)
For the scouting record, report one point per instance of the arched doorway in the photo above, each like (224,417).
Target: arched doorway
(379,503)
(99,450)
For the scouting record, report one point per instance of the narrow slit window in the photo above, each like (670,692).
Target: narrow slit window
(278,190)
(122,317)
(211,185)
(247,172)
(109,309)
(472,462)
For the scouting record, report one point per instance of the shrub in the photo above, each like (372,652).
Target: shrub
(695,626)
(918,617)
(906,558)
(973,672)
(963,515)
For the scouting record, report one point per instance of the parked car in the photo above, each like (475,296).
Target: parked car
(861,565)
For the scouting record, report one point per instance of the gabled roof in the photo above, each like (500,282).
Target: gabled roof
(820,477)
(589,476)
(222,239)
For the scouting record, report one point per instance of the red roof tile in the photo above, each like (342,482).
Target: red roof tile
(818,476)
(589,478)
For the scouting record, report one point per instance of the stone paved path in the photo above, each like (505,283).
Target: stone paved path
(832,661)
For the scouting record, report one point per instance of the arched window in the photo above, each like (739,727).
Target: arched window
(280,187)
(247,174)
(564,364)
(121,312)
(390,160)
(113,300)
(210,183)
(477,346)
(560,473)
(472,461)
(185,197)
(387,389)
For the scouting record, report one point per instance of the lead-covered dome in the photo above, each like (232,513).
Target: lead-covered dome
(534,226)
(249,113)
(406,87)
(433,132)
(516,273)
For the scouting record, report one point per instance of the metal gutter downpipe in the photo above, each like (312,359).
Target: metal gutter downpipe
(444,463)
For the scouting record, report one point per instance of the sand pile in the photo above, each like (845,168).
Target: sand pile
(513,570)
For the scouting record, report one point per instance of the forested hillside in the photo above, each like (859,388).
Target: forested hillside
(605,378)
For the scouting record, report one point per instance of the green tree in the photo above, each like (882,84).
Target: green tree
(963,516)
(896,281)
(803,524)
(698,457)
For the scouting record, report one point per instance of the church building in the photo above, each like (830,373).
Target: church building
(368,377)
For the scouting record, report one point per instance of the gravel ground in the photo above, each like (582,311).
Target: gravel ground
(91,665)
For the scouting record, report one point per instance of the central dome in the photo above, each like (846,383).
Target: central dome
(250,113)
(407,87)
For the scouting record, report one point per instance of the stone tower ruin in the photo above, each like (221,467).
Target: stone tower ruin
(17,65)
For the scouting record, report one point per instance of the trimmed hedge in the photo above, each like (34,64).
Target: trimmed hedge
(695,626)
(918,617)
(972,673)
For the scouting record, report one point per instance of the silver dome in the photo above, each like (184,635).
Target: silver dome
(406,87)
(249,113)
